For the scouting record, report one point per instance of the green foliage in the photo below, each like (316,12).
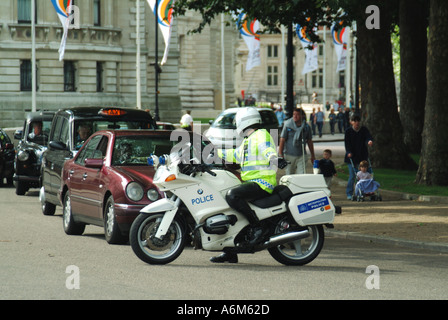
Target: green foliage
(270,13)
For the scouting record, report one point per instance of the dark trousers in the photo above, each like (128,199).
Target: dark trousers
(237,199)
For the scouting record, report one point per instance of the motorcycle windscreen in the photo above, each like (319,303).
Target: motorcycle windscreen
(312,208)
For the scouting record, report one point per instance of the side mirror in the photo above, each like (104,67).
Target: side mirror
(57,145)
(94,163)
(18,134)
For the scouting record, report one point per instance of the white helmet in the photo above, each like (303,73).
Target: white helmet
(245,117)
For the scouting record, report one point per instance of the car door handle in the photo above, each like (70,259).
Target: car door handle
(84,176)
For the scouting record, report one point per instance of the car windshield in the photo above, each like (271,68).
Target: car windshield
(38,132)
(85,128)
(225,121)
(135,150)
(268,118)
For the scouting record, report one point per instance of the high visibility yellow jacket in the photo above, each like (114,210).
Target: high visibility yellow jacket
(253,156)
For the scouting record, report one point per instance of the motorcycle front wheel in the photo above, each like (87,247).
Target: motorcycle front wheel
(300,252)
(151,249)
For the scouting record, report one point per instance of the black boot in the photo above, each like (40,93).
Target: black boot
(225,257)
(254,235)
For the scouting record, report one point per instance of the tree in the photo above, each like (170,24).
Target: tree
(413,22)
(378,95)
(432,168)
(379,100)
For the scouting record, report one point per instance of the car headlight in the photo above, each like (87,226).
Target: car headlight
(23,156)
(153,195)
(134,191)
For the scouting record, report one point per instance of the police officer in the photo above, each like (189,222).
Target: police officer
(257,157)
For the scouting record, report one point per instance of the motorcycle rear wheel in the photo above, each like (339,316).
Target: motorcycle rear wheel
(300,252)
(152,250)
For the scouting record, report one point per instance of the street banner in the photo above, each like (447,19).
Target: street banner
(248,30)
(164,16)
(310,48)
(63,9)
(340,39)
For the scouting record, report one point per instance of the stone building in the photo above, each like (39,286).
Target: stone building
(99,67)
(265,81)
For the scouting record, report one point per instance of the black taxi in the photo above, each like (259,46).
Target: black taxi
(7,152)
(33,141)
(70,129)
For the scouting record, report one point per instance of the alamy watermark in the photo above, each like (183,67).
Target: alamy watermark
(73,16)
(373,20)
(73,281)
(373,280)
(187,149)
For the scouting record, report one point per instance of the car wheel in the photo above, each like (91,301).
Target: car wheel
(111,230)
(21,188)
(48,208)
(70,226)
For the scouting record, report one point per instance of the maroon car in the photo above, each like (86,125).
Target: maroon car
(109,181)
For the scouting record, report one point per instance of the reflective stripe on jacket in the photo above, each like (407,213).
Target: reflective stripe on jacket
(253,156)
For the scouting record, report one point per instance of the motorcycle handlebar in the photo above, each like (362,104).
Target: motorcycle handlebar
(198,167)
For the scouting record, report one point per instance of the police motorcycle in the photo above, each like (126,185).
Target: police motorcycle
(195,208)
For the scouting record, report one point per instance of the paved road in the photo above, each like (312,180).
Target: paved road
(38,261)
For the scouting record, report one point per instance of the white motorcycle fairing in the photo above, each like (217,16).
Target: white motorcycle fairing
(291,219)
(204,195)
(312,208)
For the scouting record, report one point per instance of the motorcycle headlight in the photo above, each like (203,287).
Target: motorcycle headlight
(134,191)
(23,156)
(152,194)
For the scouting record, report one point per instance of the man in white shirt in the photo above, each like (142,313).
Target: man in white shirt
(186,122)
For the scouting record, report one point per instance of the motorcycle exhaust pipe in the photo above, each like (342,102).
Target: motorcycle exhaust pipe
(285,238)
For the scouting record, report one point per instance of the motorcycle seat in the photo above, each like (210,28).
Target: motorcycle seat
(281,193)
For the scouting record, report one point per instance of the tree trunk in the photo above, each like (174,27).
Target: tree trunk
(378,95)
(413,47)
(433,169)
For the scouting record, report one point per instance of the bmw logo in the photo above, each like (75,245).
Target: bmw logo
(200,191)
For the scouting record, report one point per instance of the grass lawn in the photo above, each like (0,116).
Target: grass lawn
(398,180)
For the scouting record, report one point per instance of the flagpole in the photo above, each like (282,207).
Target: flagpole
(347,72)
(223,75)
(33,57)
(138,72)
(156,64)
(282,99)
(324,75)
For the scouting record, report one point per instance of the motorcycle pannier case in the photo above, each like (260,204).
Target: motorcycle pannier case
(312,208)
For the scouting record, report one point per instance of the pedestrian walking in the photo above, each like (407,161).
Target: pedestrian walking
(357,139)
(320,121)
(295,136)
(332,117)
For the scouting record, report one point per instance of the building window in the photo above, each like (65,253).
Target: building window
(24,11)
(25,75)
(99,77)
(341,79)
(272,51)
(317,79)
(97,13)
(272,76)
(69,76)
